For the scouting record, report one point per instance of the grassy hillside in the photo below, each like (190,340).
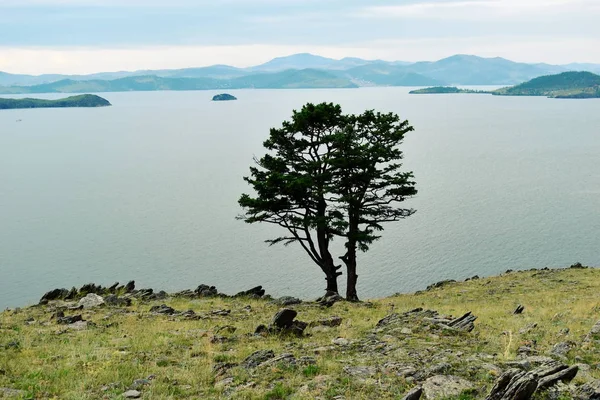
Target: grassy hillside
(203,355)
(86,100)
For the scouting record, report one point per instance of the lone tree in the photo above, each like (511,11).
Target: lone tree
(331,175)
(291,184)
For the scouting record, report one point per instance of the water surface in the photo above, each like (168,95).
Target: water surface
(147,190)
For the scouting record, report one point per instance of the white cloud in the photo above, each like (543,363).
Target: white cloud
(481,9)
(89,60)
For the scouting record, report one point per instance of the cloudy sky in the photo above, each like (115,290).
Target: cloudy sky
(84,36)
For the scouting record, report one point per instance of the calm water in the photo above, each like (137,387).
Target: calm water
(147,190)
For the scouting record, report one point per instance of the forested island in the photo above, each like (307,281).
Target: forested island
(447,90)
(224,97)
(568,85)
(84,100)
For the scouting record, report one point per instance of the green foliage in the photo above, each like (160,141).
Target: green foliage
(85,100)
(311,370)
(331,175)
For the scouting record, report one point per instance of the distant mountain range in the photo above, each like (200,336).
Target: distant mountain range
(297,71)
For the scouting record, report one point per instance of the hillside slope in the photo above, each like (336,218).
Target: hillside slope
(203,345)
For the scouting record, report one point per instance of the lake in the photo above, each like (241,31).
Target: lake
(148,189)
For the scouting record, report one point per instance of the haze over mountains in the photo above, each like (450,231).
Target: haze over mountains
(297,71)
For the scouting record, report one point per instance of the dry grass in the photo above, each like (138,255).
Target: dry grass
(102,361)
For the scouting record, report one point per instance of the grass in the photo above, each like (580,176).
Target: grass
(48,361)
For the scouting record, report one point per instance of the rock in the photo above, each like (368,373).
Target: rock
(589,391)
(406,331)
(162,309)
(464,323)
(221,369)
(595,329)
(440,284)
(78,326)
(577,266)
(514,385)
(8,393)
(519,309)
(256,292)
(566,375)
(223,97)
(330,322)
(286,359)
(523,365)
(561,349)
(69,320)
(440,368)
(444,386)
(527,328)
(361,371)
(341,341)
(286,301)
(91,300)
(13,344)
(90,288)
(397,369)
(130,287)
(307,360)
(414,394)
(206,291)
(224,382)
(257,358)
(114,300)
(132,394)
(56,294)
(284,318)
(139,384)
(261,330)
(329,299)
(221,313)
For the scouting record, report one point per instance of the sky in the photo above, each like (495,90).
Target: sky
(86,36)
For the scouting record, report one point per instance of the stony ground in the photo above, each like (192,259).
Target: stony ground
(424,345)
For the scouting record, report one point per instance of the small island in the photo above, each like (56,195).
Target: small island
(84,100)
(567,85)
(446,90)
(223,97)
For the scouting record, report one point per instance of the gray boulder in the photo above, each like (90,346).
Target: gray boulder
(91,300)
(444,386)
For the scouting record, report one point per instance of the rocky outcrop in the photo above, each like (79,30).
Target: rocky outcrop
(255,292)
(516,384)
(257,358)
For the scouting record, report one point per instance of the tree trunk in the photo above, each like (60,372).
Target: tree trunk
(352,278)
(331,271)
(350,257)
(331,279)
